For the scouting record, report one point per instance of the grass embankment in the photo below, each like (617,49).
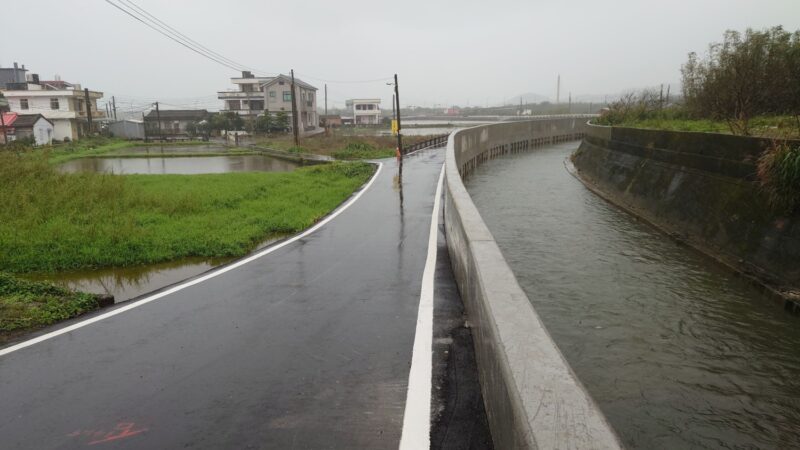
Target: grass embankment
(51,221)
(28,304)
(781,127)
(339,146)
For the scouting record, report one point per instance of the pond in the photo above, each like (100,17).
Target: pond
(190,165)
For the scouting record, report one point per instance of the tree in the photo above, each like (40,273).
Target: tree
(281,122)
(744,76)
(264,122)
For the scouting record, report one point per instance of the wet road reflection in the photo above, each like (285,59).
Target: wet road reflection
(677,351)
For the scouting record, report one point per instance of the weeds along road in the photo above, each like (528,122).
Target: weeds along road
(306,347)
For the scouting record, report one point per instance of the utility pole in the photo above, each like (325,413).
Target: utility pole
(3,124)
(326,99)
(158,118)
(668,86)
(144,126)
(569,111)
(88,108)
(294,114)
(114,105)
(399,134)
(661,97)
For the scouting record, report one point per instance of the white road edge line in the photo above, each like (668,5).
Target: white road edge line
(208,276)
(416,434)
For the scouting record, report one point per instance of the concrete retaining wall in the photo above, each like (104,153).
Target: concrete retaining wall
(702,189)
(532,397)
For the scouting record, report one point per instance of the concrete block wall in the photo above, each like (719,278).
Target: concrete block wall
(532,397)
(701,188)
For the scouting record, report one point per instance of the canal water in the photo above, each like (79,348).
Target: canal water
(677,351)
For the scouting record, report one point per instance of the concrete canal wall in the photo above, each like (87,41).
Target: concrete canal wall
(532,397)
(702,189)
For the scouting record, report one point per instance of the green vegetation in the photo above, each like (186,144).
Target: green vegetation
(340,146)
(51,221)
(779,173)
(765,126)
(749,84)
(28,304)
(358,150)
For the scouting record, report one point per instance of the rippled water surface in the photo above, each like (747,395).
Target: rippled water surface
(677,351)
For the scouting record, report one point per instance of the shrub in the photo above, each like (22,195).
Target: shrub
(779,176)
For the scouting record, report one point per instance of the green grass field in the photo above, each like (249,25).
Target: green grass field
(51,221)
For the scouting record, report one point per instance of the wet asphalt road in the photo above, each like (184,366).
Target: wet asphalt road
(308,347)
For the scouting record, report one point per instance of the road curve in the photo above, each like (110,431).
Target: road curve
(306,347)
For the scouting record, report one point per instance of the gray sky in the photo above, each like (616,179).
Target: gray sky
(445,52)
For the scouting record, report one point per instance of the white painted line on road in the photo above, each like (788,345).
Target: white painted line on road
(416,433)
(172,290)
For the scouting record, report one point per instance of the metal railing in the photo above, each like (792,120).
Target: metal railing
(436,141)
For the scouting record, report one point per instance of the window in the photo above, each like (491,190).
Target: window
(234,105)
(370,107)
(272,94)
(79,105)
(23,103)
(54,103)
(287,96)
(280,83)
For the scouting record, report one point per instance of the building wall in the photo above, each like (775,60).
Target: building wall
(66,117)
(64,128)
(43,132)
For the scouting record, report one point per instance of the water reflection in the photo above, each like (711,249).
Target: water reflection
(130,282)
(677,351)
(179,165)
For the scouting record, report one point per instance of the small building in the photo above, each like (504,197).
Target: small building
(173,122)
(22,126)
(128,129)
(331,120)
(64,104)
(365,111)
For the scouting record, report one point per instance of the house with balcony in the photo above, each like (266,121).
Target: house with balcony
(366,111)
(63,104)
(256,95)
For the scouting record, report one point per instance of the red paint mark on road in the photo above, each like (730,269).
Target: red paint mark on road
(121,431)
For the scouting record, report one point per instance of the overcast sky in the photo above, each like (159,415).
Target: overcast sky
(445,52)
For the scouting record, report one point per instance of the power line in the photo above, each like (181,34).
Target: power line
(169,36)
(185,37)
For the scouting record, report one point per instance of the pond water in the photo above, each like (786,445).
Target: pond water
(677,351)
(157,165)
(126,283)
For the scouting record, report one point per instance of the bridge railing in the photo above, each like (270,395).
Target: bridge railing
(532,397)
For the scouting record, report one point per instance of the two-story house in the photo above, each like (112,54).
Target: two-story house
(366,111)
(60,102)
(256,95)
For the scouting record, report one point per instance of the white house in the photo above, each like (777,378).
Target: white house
(21,126)
(366,111)
(60,102)
(256,95)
